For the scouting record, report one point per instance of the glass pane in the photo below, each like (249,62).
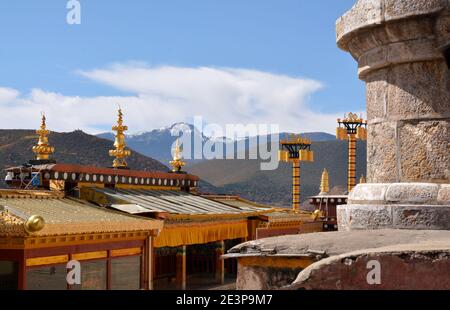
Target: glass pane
(8,275)
(93,276)
(126,273)
(47,278)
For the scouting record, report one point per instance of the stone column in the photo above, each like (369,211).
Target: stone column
(403,52)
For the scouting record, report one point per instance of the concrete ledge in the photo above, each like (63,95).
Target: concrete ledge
(333,243)
(274,263)
(404,266)
(400,193)
(420,217)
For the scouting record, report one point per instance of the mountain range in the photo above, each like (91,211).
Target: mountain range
(243,176)
(158,143)
(218,176)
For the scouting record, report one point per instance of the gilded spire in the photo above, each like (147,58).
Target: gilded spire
(362,179)
(43,149)
(324,186)
(177,163)
(120,153)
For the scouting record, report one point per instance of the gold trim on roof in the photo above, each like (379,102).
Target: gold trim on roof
(34,242)
(176,235)
(47,260)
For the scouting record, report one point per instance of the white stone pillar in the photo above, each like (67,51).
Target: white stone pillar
(402,49)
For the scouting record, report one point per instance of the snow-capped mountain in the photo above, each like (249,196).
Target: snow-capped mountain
(158,142)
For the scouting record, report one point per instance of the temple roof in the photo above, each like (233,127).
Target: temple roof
(176,204)
(63,216)
(238,202)
(268,213)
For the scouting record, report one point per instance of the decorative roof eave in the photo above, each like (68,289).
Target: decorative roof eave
(34,241)
(15,230)
(176,235)
(32,194)
(213,217)
(74,168)
(99,227)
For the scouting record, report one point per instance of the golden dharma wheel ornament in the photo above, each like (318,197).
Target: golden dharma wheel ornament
(295,149)
(34,224)
(350,129)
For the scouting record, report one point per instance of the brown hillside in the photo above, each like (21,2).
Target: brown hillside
(73,147)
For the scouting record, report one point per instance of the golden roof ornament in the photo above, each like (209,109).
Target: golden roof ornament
(34,224)
(43,149)
(177,163)
(324,183)
(351,128)
(120,153)
(362,179)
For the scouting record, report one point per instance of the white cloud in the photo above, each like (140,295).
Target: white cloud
(7,95)
(165,95)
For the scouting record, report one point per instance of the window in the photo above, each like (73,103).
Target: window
(8,275)
(126,273)
(93,275)
(47,278)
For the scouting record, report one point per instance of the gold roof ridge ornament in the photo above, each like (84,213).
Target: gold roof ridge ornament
(120,153)
(43,150)
(31,224)
(324,183)
(177,163)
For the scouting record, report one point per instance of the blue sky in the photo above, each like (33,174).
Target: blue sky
(43,59)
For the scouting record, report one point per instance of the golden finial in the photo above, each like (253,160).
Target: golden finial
(362,179)
(120,153)
(324,185)
(177,163)
(34,224)
(42,149)
(317,214)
